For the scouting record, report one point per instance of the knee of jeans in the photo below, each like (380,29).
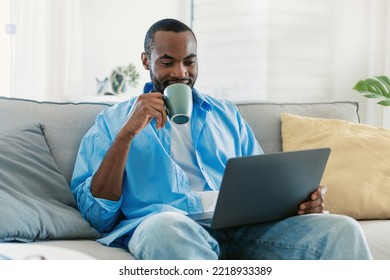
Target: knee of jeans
(163,226)
(348,225)
(167,220)
(164,235)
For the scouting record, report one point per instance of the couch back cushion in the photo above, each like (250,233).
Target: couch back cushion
(264,118)
(64,124)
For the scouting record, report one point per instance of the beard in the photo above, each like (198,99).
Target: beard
(160,85)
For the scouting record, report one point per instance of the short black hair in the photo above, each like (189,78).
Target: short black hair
(168,25)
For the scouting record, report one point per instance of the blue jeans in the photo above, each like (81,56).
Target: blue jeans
(171,235)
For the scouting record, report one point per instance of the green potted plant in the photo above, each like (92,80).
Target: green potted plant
(375,87)
(122,77)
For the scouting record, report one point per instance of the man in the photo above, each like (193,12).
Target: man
(137,174)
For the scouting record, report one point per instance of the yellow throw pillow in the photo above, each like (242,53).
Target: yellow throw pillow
(357,174)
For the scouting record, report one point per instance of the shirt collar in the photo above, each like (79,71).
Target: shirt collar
(198,97)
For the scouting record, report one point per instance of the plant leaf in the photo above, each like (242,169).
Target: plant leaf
(372,95)
(360,86)
(384,102)
(386,83)
(376,87)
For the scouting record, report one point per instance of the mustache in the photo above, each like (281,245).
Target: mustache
(183,81)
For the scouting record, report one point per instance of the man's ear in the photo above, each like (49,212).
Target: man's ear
(145,61)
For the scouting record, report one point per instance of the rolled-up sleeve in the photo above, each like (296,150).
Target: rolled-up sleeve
(101,213)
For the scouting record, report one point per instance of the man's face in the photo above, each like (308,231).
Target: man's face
(173,59)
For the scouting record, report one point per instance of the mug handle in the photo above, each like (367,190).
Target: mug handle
(165,105)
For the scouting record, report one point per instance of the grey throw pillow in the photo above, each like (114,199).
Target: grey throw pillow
(35,200)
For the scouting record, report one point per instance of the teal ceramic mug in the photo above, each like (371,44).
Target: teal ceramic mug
(178,100)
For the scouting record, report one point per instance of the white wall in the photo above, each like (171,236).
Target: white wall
(5,49)
(299,50)
(294,50)
(113,34)
(232,47)
(361,48)
(350,50)
(273,50)
(276,50)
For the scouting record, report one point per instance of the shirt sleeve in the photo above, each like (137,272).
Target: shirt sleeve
(101,213)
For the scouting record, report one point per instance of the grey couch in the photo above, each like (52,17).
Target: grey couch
(64,124)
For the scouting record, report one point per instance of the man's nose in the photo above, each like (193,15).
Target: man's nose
(179,71)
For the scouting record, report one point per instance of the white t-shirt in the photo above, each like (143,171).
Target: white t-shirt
(183,153)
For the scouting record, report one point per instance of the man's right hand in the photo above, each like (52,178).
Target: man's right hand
(145,108)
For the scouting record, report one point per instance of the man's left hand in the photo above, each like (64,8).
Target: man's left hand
(315,204)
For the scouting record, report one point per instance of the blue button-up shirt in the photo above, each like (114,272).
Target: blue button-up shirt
(153,182)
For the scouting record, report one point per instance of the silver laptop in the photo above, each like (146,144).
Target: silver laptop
(265,188)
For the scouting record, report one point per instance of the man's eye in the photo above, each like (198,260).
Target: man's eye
(190,62)
(166,64)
